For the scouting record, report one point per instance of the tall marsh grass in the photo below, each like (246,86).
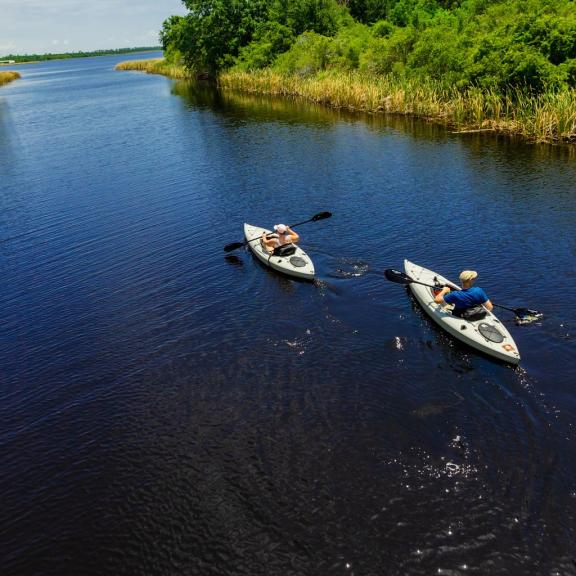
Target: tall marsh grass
(8,76)
(542,118)
(155,66)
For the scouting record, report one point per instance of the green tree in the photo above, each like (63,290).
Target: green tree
(370,11)
(211,35)
(311,53)
(321,16)
(525,44)
(270,39)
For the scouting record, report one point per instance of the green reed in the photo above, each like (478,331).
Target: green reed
(549,117)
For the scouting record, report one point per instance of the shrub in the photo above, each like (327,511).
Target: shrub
(387,54)
(270,39)
(310,53)
(383,29)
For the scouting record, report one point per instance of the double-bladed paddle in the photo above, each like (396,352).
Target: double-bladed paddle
(315,218)
(523,314)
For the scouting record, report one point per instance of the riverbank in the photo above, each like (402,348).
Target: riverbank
(543,118)
(155,66)
(8,76)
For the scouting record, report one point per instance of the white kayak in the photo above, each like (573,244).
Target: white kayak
(297,264)
(487,334)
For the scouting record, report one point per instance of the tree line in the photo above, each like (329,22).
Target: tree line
(498,44)
(66,55)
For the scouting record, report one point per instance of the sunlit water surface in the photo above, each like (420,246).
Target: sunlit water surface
(168,410)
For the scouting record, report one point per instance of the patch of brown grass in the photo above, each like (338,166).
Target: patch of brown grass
(155,66)
(541,118)
(8,76)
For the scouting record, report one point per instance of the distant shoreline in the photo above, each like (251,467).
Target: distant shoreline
(37,58)
(19,63)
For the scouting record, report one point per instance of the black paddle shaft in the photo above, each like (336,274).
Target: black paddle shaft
(315,218)
(402,278)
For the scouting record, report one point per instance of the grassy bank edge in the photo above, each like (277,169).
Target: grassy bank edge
(155,66)
(543,118)
(8,76)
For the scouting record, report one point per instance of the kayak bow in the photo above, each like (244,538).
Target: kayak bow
(487,334)
(297,264)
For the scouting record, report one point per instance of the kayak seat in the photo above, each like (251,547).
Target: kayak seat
(474,313)
(286,250)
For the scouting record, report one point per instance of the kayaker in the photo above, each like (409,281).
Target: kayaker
(283,235)
(468,297)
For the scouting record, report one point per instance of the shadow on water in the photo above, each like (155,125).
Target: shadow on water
(286,282)
(234,260)
(257,108)
(265,108)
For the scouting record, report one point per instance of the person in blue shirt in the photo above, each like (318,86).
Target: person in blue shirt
(468,297)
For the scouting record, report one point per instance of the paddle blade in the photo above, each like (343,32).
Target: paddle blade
(321,216)
(527,316)
(233,246)
(397,276)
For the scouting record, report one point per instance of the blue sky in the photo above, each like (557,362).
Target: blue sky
(39,26)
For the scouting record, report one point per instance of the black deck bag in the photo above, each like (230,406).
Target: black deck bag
(474,313)
(286,250)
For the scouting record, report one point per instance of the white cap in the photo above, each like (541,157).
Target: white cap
(281,228)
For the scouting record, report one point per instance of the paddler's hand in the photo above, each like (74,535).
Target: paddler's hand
(439,298)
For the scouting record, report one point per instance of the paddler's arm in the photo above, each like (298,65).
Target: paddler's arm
(268,242)
(439,298)
(487,304)
(294,237)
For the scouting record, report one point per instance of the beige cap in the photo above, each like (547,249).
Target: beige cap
(468,275)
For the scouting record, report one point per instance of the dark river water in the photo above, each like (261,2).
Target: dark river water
(166,409)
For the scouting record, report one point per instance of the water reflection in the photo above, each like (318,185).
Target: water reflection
(6,134)
(256,108)
(265,108)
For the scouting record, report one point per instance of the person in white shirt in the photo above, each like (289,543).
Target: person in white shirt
(283,235)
